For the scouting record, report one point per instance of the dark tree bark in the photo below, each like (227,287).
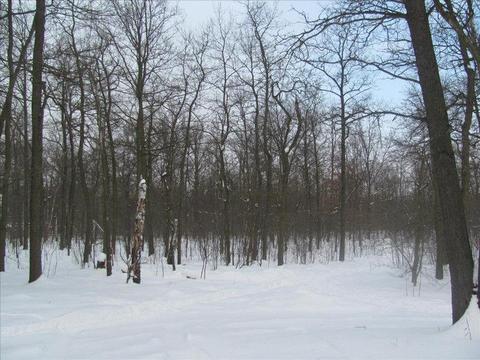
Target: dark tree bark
(465,30)
(478,280)
(6,123)
(467,124)
(106,213)
(343,172)
(307,183)
(102,108)
(143,24)
(5,114)
(26,167)
(149,179)
(114,197)
(182,186)
(6,118)
(287,147)
(226,233)
(441,253)
(72,184)
(266,132)
(420,216)
(443,160)
(5,197)
(107,100)
(80,75)
(80,156)
(221,144)
(318,209)
(64,172)
(36,194)
(169,182)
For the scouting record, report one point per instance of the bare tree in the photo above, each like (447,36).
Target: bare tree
(6,122)
(287,139)
(143,45)
(377,15)
(261,19)
(36,195)
(223,58)
(443,161)
(199,74)
(335,58)
(460,15)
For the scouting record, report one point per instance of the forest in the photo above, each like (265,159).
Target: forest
(128,136)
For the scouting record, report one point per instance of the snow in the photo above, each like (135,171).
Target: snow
(360,309)
(101,256)
(469,325)
(142,189)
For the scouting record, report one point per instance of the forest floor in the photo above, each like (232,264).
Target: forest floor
(360,309)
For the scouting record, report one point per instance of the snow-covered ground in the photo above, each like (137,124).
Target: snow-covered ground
(360,309)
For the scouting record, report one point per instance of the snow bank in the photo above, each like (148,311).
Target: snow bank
(469,325)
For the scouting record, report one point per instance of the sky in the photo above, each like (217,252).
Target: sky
(198,12)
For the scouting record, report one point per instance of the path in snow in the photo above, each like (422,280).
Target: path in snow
(356,310)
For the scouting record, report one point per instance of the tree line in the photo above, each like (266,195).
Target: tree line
(256,140)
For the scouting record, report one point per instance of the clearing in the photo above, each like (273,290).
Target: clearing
(360,309)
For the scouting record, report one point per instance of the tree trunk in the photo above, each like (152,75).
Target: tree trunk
(266,151)
(168,181)
(13,71)
(83,177)
(269,189)
(64,172)
(258,186)
(134,269)
(318,215)
(283,228)
(443,160)
(6,120)
(4,199)
(149,172)
(467,123)
(114,197)
(81,150)
(26,164)
(36,194)
(441,256)
(72,184)
(102,113)
(343,181)
(308,187)
(148,206)
(107,245)
(225,207)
